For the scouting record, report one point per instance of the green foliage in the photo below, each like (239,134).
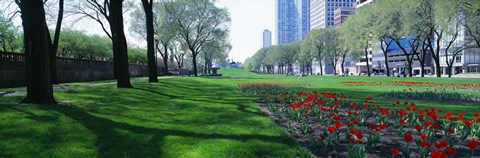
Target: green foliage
(10,37)
(137,56)
(78,45)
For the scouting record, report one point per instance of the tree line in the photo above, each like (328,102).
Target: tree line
(199,26)
(435,26)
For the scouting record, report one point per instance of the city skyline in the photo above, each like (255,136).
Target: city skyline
(292,20)
(267,38)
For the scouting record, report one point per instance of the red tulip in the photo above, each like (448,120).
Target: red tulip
(438,154)
(468,123)
(428,123)
(408,137)
(451,130)
(408,108)
(424,143)
(358,134)
(354,122)
(337,117)
(319,140)
(338,124)
(436,126)
(440,144)
(423,136)
(394,151)
(351,140)
(472,144)
(324,108)
(448,115)
(311,131)
(461,115)
(402,121)
(352,130)
(331,129)
(372,126)
(382,126)
(414,108)
(451,151)
(418,127)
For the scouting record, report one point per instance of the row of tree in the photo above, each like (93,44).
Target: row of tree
(185,28)
(435,26)
(198,24)
(73,44)
(322,45)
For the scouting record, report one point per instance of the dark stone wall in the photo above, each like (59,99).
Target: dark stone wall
(12,70)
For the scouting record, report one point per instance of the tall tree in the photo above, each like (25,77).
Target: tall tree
(319,39)
(54,44)
(37,52)
(471,10)
(112,11)
(152,67)
(195,21)
(357,28)
(178,51)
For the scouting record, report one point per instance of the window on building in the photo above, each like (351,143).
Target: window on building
(458,59)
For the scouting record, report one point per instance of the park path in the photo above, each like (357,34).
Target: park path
(62,88)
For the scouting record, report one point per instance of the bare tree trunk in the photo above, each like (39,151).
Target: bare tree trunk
(385,55)
(53,54)
(119,45)
(165,60)
(151,61)
(194,60)
(368,65)
(343,63)
(37,53)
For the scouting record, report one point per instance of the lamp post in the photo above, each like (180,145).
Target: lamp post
(156,38)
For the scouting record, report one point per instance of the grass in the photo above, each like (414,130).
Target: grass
(331,84)
(177,117)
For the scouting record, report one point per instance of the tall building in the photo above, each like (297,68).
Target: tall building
(293,20)
(361,3)
(322,11)
(467,60)
(340,14)
(267,38)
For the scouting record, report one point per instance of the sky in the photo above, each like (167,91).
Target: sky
(249,19)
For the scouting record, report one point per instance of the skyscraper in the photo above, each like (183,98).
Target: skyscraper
(322,11)
(267,38)
(293,20)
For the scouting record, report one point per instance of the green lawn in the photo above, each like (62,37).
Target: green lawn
(177,117)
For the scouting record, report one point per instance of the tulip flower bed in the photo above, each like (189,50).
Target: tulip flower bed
(432,95)
(450,86)
(266,88)
(332,124)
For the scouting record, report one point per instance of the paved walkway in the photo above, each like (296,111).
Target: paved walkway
(62,88)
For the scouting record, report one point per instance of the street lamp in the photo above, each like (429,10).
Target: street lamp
(156,38)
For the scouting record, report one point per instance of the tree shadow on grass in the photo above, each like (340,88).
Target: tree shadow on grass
(111,143)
